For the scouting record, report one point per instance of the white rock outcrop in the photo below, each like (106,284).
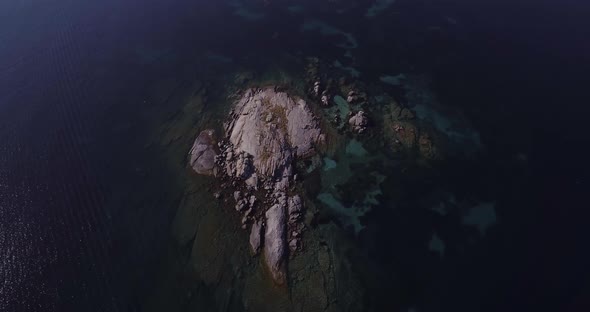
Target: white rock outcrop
(267,132)
(269,129)
(275,243)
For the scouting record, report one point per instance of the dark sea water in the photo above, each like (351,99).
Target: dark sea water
(88,196)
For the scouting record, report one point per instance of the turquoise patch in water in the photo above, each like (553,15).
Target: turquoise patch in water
(242,11)
(443,124)
(356,148)
(219,58)
(342,106)
(481,216)
(348,216)
(436,245)
(329,164)
(441,209)
(393,80)
(329,30)
(295,9)
(351,70)
(378,7)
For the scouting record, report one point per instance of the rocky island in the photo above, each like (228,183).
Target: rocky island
(299,162)
(266,133)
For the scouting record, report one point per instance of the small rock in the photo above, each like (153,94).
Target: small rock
(295,208)
(316,88)
(241,205)
(325,100)
(293,244)
(359,122)
(202,154)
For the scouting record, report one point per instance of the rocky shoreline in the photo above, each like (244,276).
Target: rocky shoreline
(287,158)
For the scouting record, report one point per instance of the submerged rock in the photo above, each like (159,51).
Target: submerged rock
(406,133)
(398,112)
(202,154)
(416,139)
(275,237)
(426,146)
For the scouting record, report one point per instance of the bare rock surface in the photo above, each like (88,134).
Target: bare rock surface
(267,131)
(270,129)
(202,154)
(275,242)
(255,237)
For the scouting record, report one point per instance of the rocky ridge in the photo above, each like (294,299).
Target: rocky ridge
(267,131)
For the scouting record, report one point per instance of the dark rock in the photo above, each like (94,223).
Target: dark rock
(406,133)
(295,208)
(426,146)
